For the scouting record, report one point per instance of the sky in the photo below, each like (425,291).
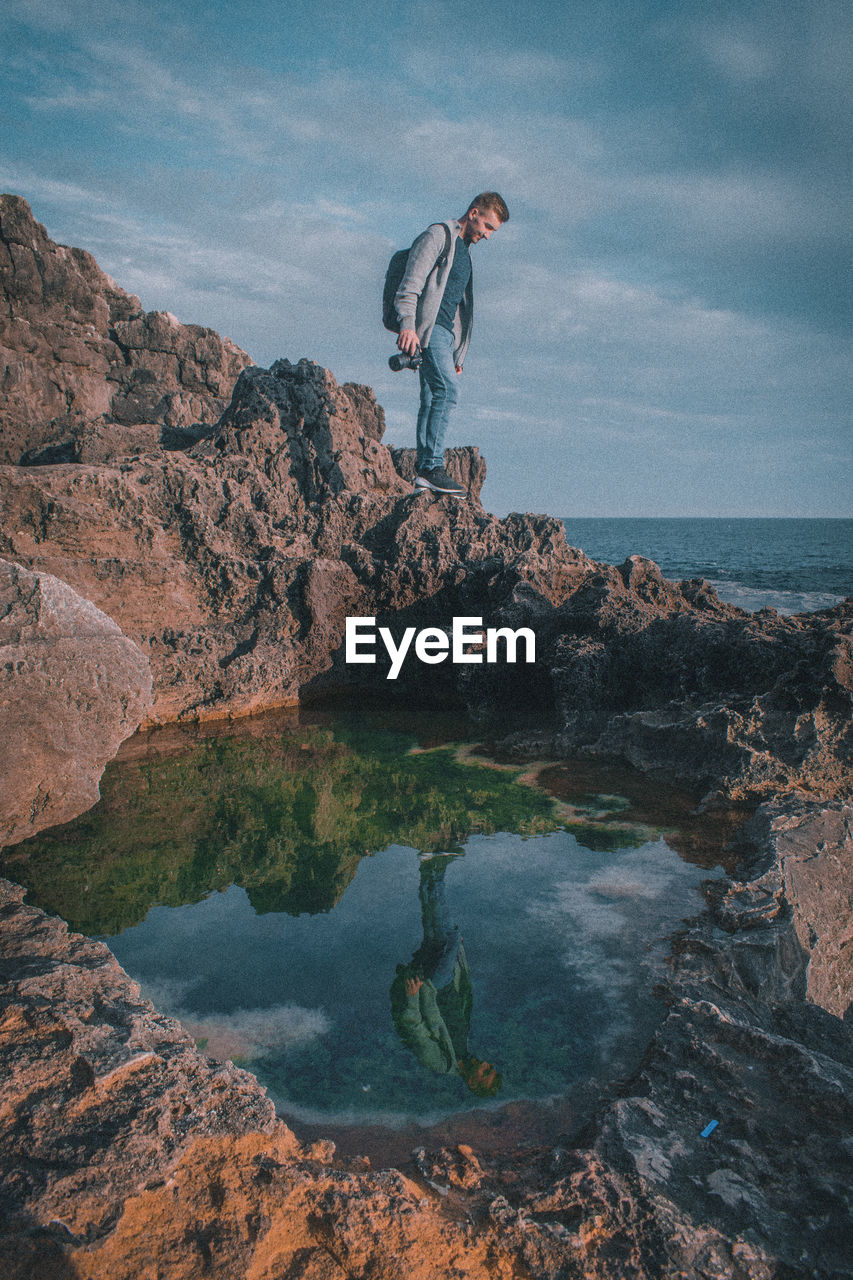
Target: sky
(663,325)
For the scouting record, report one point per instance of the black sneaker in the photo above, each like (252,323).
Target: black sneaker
(439,482)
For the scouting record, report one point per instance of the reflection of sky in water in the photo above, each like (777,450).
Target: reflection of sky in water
(562,943)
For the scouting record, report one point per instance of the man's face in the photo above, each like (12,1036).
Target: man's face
(483,1075)
(480,224)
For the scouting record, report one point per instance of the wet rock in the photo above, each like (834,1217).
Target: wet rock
(72,688)
(665,676)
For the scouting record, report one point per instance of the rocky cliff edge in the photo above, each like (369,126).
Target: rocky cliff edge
(85,373)
(233,554)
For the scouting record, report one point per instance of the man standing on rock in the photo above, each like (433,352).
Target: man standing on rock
(435,309)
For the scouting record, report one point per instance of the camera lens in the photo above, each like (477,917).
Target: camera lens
(400,360)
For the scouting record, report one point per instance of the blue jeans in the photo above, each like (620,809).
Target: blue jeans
(438,396)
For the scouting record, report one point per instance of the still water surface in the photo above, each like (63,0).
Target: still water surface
(385,934)
(561,948)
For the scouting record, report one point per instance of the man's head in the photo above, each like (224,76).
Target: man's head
(480,1077)
(484,215)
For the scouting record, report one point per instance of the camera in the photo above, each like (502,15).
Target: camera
(400,360)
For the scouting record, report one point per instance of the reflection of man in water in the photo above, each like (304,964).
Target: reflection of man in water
(431,997)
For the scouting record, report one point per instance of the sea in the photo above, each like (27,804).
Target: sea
(791,565)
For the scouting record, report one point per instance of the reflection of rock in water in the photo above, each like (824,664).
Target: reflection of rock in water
(258,813)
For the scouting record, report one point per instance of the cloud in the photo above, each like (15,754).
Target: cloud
(739,55)
(497,70)
(585,310)
(801,50)
(17,178)
(243,1033)
(640,898)
(251,1033)
(677,183)
(742,206)
(77,15)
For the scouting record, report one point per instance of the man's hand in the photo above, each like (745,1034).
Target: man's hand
(413,986)
(407,341)
(459,368)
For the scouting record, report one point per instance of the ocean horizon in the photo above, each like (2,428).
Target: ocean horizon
(788,563)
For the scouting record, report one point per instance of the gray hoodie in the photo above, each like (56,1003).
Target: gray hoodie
(419,296)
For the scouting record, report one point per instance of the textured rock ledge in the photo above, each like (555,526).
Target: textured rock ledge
(85,373)
(72,688)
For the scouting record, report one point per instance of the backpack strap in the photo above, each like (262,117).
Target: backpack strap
(445,253)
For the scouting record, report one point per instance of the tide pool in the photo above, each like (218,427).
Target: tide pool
(386,928)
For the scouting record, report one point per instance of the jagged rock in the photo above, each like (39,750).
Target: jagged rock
(311,438)
(464,465)
(77,352)
(666,676)
(741,1046)
(744,704)
(234,564)
(815,853)
(72,688)
(232,553)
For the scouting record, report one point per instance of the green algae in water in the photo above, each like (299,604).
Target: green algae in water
(268,891)
(286,816)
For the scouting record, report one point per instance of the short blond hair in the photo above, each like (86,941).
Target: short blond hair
(490,200)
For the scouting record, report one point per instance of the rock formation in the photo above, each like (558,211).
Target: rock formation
(234,565)
(229,540)
(663,675)
(234,561)
(85,373)
(72,688)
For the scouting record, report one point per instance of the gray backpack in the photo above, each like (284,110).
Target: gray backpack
(394,275)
